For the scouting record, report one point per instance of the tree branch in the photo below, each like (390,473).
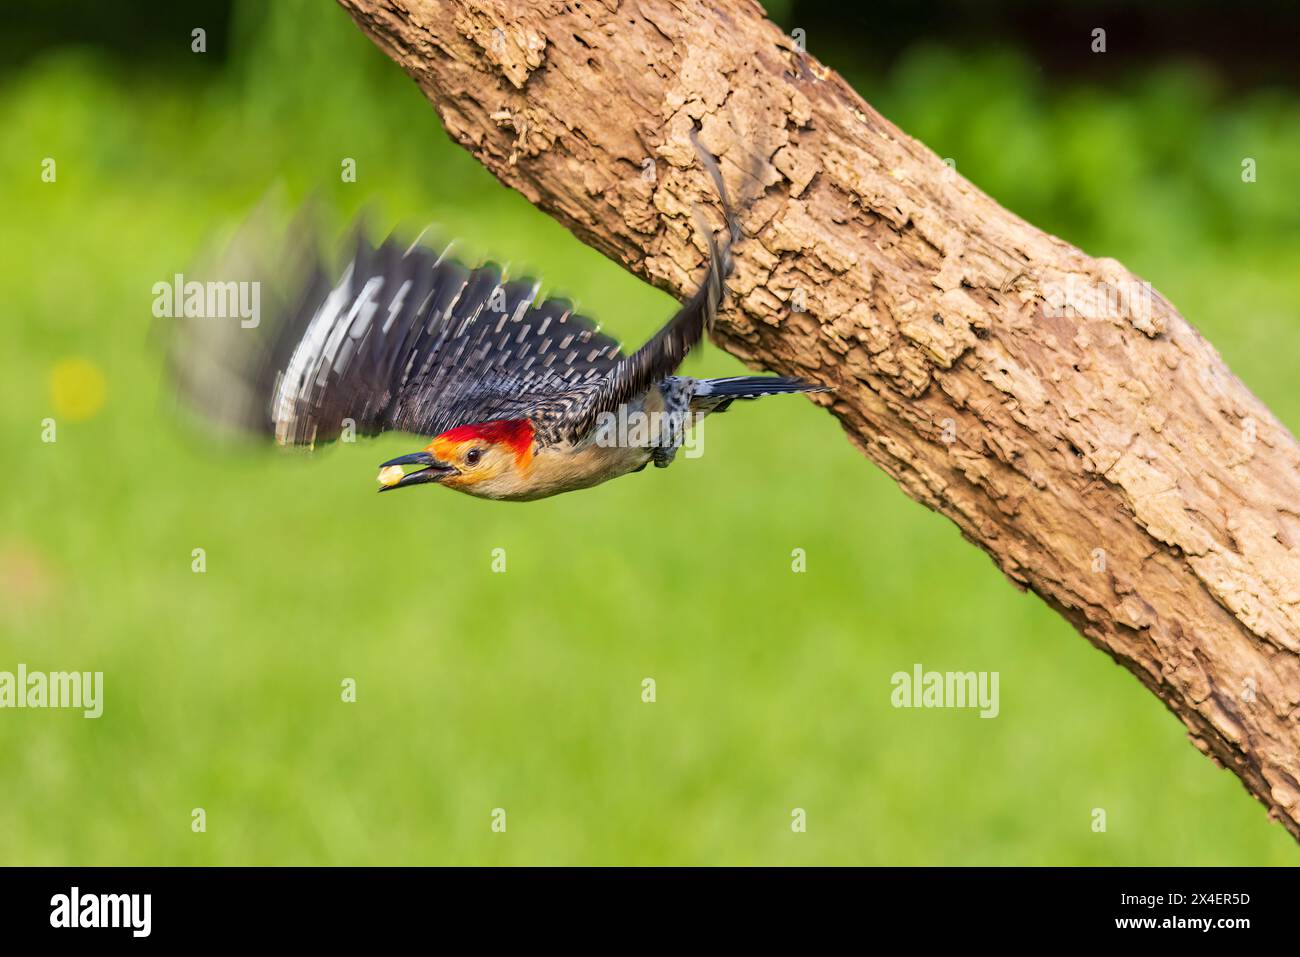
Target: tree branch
(1070,422)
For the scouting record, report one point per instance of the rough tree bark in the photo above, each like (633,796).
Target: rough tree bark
(1081,433)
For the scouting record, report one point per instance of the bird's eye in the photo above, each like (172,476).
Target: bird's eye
(472,456)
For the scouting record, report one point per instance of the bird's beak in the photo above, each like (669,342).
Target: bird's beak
(392,475)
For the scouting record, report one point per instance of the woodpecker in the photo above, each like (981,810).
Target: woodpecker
(517,399)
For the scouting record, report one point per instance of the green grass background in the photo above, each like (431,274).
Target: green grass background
(522,690)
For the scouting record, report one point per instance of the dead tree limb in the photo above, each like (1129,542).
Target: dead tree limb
(1073,426)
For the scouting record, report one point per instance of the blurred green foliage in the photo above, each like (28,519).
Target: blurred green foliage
(523,690)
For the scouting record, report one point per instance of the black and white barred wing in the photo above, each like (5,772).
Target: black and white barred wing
(404,340)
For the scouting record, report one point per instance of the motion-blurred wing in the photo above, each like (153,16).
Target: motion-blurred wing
(404,340)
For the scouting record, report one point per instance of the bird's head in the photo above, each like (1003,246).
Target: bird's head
(489,459)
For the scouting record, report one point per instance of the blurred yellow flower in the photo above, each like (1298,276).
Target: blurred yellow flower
(77,388)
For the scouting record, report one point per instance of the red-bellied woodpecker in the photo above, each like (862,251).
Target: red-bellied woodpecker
(523,400)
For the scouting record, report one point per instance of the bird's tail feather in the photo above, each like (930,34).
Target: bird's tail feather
(714,395)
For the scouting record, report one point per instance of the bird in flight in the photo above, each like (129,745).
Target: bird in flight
(516,399)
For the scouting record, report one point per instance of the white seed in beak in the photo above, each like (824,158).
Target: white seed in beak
(391,475)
